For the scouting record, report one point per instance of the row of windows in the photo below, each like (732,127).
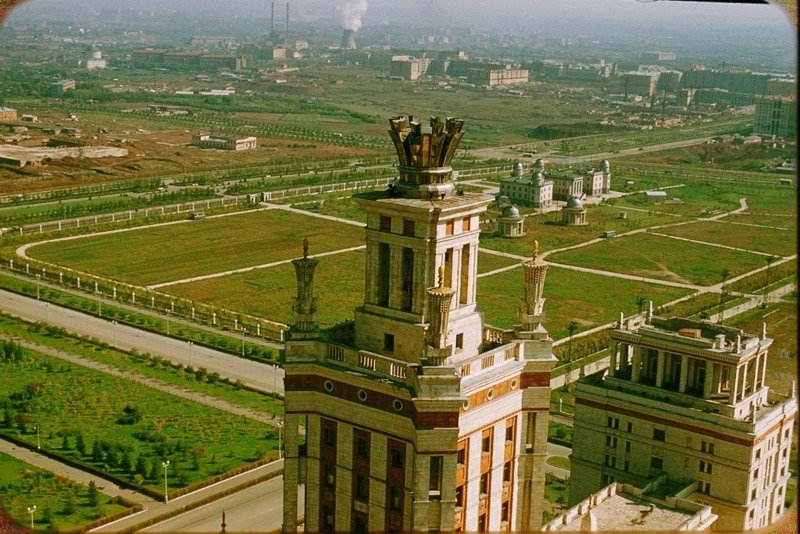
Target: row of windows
(409,226)
(659,434)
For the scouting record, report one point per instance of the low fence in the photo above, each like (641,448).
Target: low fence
(104,289)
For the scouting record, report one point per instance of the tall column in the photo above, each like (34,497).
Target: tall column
(636,363)
(743,383)
(420,280)
(395,277)
(709,379)
(684,373)
(660,368)
(371,280)
(756,367)
(291,474)
(455,283)
(763,370)
(732,398)
(612,368)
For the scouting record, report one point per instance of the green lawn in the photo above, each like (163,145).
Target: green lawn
(126,428)
(778,221)
(268,293)
(768,240)
(489,262)
(661,258)
(199,247)
(559,461)
(60,504)
(589,299)
(551,235)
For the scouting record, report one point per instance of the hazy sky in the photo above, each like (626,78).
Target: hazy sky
(494,15)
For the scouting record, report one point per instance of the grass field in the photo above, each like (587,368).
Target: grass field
(126,428)
(768,240)
(489,262)
(551,235)
(60,503)
(588,299)
(781,319)
(785,222)
(199,247)
(655,257)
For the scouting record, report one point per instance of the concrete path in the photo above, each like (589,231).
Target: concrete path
(150,382)
(82,477)
(253,268)
(557,450)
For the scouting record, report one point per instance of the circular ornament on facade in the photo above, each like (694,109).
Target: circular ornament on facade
(514,383)
(362,395)
(466,405)
(490,394)
(397,404)
(328,386)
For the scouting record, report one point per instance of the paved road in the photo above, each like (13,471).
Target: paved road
(260,376)
(557,450)
(157,510)
(44,462)
(256,509)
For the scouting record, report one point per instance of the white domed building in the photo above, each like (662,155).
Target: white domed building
(573,213)
(511,223)
(528,189)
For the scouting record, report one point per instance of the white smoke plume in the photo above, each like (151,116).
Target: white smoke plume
(350,14)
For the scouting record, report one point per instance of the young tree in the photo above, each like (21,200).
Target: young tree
(640,302)
(93,495)
(724,274)
(572,327)
(80,444)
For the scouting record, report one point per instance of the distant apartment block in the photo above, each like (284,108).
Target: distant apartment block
(734,80)
(8,114)
(220,142)
(96,61)
(776,116)
(686,401)
(62,85)
(658,57)
(408,67)
(642,83)
(495,77)
(150,56)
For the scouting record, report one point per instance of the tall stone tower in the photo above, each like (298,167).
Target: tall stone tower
(417,416)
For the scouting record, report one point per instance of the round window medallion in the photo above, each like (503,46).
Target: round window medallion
(490,394)
(398,404)
(514,383)
(362,395)
(466,405)
(328,385)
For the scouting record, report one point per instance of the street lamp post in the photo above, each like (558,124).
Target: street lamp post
(114,328)
(244,333)
(38,280)
(38,441)
(99,304)
(166,310)
(280,440)
(32,510)
(166,495)
(190,343)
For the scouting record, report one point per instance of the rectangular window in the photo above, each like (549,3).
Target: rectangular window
(507,471)
(630,427)
(611,460)
(465,224)
(758,454)
(330,474)
(362,487)
(449,227)
(460,341)
(612,422)
(397,458)
(329,436)
(386,223)
(705,487)
(504,512)
(408,227)
(627,446)
(659,434)
(460,496)
(328,515)
(607,479)
(435,481)
(656,463)
(707,447)
(705,467)
(627,465)
(611,441)
(362,447)
(461,454)
(388,342)
(484,484)
(396,498)
(486,444)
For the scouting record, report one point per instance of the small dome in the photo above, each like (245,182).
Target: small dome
(510,211)
(574,203)
(605,165)
(539,163)
(517,169)
(538,178)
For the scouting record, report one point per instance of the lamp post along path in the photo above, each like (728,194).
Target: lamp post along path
(166,494)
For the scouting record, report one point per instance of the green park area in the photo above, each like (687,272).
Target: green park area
(588,299)
(200,247)
(550,234)
(757,238)
(662,258)
(781,222)
(61,505)
(121,427)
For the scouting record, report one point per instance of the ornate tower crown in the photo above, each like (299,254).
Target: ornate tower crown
(425,155)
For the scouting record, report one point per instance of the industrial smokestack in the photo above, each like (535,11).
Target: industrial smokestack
(287,17)
(348,40)
(272,20)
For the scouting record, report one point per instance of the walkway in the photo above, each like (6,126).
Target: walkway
(72,473)
(150,382)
